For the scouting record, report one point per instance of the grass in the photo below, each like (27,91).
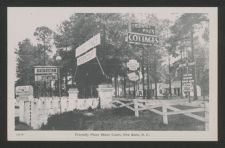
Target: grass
(120,119)
(21,126)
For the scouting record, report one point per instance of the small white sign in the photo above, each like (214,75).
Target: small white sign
(23,92)
(133,65)
(133,76)
(91,43)
(86,57)
(46,70)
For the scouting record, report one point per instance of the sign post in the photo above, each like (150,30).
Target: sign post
(142,34)
(47,74)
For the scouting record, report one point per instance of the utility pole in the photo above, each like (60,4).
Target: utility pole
(194,67)
(143,74)
(148,93)
(169,76)
(181,79)
(155,74)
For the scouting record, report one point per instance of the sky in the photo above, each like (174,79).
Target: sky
(22,21)
(26,20)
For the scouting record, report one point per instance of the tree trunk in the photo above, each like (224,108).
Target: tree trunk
(115,81)
(124,85)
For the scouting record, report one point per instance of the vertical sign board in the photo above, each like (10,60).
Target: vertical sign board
(187,82)
(24,92)
(86,57)
(91,43)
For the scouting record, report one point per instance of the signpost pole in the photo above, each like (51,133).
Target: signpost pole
(59,83)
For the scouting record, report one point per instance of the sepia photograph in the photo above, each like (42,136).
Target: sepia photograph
(112,73)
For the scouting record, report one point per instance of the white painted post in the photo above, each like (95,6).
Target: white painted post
(136,108)
(206,117)
(165,117)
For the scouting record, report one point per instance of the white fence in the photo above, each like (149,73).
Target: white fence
(36,112)
(137,105)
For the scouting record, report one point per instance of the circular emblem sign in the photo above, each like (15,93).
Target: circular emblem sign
(133,76)
(133,65)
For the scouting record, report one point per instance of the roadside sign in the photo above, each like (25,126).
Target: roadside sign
(91,43)
(23,92)
(86,57)
(133,65)
(45,77)
(187,64)
(142,39)
(133,76)
(142,28)
(45,70)
(46,73)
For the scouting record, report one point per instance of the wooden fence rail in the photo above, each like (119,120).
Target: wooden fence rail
(168,107)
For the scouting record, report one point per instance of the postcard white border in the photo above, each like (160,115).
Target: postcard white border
(211,135)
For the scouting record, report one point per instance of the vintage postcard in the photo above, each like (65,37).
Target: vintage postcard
(112,73)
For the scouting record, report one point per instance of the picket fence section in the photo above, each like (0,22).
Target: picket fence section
(36,112)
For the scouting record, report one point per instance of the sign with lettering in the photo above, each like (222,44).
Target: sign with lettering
(143,39)
(187,64)
(45,70)
(133,65)
(46,77)
(187,82)
(24,92)
(91,43)
(86,57)
(142,28)
(133,76)
(46,73)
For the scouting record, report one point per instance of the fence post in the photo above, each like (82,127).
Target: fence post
(136,108)
(165,117)
(206,117)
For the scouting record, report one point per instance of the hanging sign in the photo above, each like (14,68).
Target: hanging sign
(133,65)
(91,43)
(142,39)
(86,57)
(133,76)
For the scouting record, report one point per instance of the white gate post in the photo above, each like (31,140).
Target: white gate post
(105,92)
(165,117)
(136,108)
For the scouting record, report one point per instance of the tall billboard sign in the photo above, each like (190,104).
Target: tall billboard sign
(142,34)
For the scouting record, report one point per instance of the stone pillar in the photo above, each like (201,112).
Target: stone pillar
(105,93)
(73,93)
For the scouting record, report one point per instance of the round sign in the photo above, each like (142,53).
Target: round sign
(133,65)
(133,76)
